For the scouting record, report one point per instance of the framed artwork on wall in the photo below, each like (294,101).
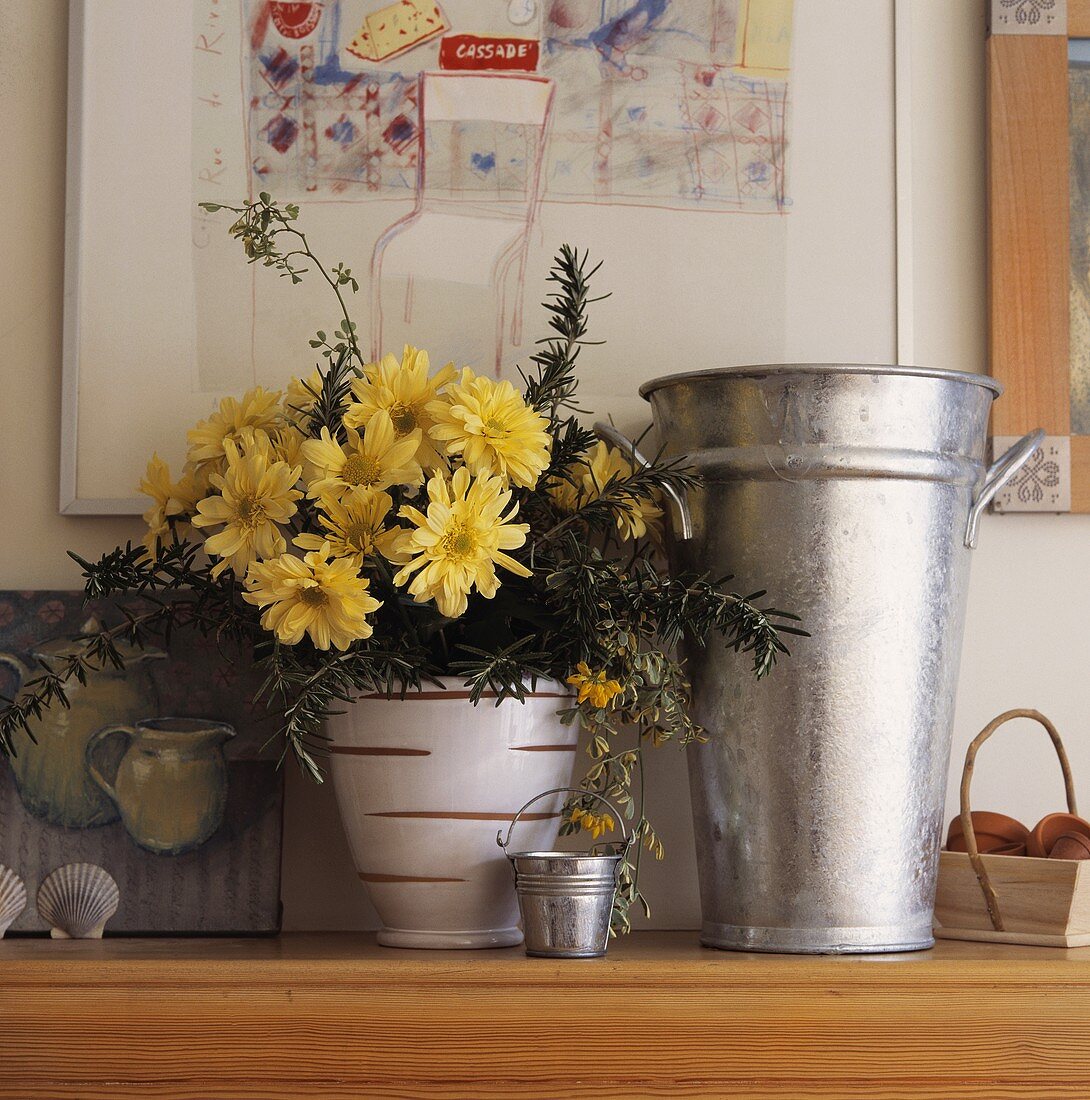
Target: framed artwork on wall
(678,115)
(1038,97)
(162,773)
(706,151)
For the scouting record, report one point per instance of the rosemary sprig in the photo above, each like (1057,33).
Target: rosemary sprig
(90,653)
(554,385)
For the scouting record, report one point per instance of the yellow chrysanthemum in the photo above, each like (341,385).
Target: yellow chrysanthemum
(259,410)
(312,595)
(282,444)
(287,446)
(405,392)
(376,460)
(492,428)
(354,528)
(567,495)
(460,541)
(171,502)
(595,471)
(302,394)
(594,685)
(255,497)
(595,824)
(195,478)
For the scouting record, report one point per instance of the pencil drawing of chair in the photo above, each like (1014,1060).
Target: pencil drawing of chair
(478,187)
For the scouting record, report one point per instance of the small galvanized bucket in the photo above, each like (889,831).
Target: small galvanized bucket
(566,898)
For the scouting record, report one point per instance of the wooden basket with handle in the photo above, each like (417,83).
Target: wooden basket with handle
(1012,899)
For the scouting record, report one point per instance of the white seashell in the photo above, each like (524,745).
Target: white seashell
(12,898)
(77,900)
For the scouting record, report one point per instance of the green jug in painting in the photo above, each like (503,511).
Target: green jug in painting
(171,782)
(51,775)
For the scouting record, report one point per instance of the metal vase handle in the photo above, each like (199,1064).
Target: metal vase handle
(611,435)
(626,835)
(999,473)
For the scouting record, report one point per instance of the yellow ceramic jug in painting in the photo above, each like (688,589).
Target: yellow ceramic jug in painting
(171,783)
(51,775)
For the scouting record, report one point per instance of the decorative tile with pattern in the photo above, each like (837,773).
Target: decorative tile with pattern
(1044,482)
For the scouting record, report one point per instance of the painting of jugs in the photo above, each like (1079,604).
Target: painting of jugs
(170,785)
(161,774)
(51,774)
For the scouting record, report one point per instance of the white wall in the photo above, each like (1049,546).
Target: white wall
(1030,588)
(1025,642)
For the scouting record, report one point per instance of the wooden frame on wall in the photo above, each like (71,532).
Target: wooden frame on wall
(1029,215)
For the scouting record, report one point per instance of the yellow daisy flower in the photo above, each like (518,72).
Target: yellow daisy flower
(287,445)
(353,528)
(594,685)
(595,824)
(171,502)
(326,599)
(569,496)
(258,410)
(492,428)
(195,476)
(282,444)
(255,497)
(460,541)
(405,391)
(302,393)
(600,466)
(376,460)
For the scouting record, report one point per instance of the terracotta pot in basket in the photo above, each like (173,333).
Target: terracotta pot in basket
(1050,828)
(995,833)
(983,896)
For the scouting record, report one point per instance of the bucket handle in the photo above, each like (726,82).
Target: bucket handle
(626,835)
(610,434)
(999,473)
(986,887)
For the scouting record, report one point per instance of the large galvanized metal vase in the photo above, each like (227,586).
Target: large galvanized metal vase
(852,494)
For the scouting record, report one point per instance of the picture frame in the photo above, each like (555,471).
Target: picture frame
(1029,247)
(162,318)
(195,848)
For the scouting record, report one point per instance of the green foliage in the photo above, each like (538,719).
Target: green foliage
(90,653)
(259,228)
(330,398)
(597,607)
(554,385)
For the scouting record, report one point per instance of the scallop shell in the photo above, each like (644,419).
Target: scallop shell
(77,900)
(12,898)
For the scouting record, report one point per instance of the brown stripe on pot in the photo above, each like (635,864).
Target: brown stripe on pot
(461,695)
(543,748)
(359,750)
(462,815)
(374,876)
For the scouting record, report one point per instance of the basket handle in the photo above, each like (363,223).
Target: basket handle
(986,887)
(626,837)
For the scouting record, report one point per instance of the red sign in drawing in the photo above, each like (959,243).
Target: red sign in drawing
(295,20)
(470,51)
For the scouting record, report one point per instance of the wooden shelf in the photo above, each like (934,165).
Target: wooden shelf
(333,1015)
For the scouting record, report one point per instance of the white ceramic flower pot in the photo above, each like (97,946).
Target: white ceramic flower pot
(423,785)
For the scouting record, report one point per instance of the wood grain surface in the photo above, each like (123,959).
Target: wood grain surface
(1041,901)
(1028,266)
(1078,18)
(333,1015)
